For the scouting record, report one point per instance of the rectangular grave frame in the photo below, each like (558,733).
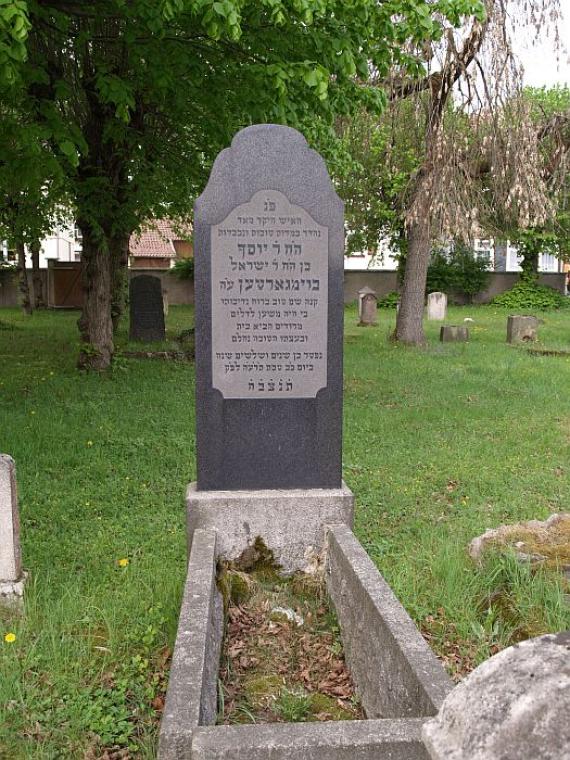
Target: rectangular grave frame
(404,686)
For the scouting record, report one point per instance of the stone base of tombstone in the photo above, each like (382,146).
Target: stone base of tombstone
(521,329)
(290,522)
(453,334)
(12,593)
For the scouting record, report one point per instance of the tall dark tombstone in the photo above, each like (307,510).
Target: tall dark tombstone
(146,309)
(269,317)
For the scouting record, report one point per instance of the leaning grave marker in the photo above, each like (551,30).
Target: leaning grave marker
(269,313)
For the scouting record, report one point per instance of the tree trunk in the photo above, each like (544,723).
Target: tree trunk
(119,250)
(409,324)
(39,302)
(24,285)
(95,324)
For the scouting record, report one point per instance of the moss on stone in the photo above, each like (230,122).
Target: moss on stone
(259,690)
(323,705)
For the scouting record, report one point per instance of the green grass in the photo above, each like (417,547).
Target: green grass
(439,445)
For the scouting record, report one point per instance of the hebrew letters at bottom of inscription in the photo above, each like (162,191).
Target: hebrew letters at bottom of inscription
(269,300)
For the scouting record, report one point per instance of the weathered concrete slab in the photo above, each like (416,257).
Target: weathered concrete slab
(289,521)
(515,706)
(395,672)
(453,334)
(191,699)
(521,328)
(340,740)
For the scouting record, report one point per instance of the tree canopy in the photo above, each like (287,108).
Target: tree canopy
(135,99)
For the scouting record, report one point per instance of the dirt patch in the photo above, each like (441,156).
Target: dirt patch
(282,658)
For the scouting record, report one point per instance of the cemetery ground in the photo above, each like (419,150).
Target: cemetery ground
(439,444)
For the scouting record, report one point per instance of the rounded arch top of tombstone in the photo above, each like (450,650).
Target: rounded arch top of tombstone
(269,156)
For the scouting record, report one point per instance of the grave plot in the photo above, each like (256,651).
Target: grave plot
(269,328)
(282,655)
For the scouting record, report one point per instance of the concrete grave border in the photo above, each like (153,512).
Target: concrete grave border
(384,650)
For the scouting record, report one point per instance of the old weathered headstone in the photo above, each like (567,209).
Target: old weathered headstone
(437,306)
(11,575)
(521,329)
(453,334)
(367,307)
(514,705)
(146,309)
(269,317)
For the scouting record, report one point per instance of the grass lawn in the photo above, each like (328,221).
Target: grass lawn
(439,445)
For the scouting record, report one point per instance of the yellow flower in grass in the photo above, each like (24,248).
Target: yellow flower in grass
(10,638)
(89,443)
(123,562)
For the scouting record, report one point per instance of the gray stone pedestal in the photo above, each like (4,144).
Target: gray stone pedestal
(453,334)
(290,522)
(521,329)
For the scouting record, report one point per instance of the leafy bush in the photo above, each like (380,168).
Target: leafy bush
(184,269)
(457,270)
(530,295)
(390,300)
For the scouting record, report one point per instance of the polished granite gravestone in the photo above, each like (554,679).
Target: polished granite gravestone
(269,317)
(146,309)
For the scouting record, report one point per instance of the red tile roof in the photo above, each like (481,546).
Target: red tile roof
(155,239)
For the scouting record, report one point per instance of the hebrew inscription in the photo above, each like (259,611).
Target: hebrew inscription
(269,301)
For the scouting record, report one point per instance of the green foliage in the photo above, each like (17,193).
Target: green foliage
(458,270)
(293,706)
(455,270)
(390,300)
(14,30)
(530,295)
(184,269)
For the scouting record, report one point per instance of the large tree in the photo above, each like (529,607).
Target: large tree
(138,97)
(478,165)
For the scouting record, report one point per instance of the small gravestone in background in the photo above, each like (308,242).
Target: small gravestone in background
(521,329)
(437,306)
(12,578)
(453,334)
(367,307)
(146,309)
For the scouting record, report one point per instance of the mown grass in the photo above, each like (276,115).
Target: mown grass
(439,445)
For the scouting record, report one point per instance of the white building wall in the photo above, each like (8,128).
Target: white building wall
(62,245)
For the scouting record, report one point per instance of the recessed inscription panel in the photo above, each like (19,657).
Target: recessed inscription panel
(269,301)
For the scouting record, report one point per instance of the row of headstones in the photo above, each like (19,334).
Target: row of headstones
(519,328)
